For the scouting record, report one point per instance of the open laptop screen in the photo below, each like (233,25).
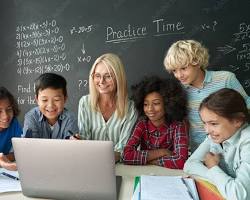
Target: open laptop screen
(66,169)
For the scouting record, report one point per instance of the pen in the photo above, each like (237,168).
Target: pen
(10,176)
(74,135)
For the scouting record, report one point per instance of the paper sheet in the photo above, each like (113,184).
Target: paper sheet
(7,184)
(192,188)
(163,187)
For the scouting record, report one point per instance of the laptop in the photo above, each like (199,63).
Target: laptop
(66,169)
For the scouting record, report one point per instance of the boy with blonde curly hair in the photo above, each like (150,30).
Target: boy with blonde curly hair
(187,60)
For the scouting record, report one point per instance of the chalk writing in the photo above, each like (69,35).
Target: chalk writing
(25,89)
(243,56)
(84,58)
(246,67)
(130,33)
(37,34)
(245,48)
(26,100)
(209,26)
(82,83)
(27,70)
(41,59)
(65,36)
(234,68)
(40,51)
(40,48)
(226,49)
(83,49)
(81,29)
(28,89)
(39,42)
(244,32)
(166,28)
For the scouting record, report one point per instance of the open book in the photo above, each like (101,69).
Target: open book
(164,187)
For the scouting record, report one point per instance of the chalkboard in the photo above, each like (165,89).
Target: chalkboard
(66,36)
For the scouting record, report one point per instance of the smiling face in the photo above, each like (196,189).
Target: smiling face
(6,113)
(219,128)
(104,79)
(51,103)
(154,108)
(189,75)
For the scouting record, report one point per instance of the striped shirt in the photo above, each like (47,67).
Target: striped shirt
(147,137)
(214,80)
(92,125)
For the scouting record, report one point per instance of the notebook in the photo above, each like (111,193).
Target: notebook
(66,169)
(166,187)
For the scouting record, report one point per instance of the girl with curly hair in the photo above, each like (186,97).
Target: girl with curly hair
(160,136)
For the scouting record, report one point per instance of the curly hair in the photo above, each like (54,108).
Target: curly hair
(174,96)
(185,52)
(5,94)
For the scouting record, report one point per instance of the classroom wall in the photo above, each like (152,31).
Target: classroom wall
(66,36)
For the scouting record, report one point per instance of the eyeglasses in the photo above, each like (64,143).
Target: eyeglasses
(105,77)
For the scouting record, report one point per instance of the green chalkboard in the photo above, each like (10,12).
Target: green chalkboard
(66,36)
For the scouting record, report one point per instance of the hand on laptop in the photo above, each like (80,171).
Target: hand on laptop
(6,163)
(75,137)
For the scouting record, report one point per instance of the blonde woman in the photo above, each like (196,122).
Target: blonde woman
(106,113)
(187,60)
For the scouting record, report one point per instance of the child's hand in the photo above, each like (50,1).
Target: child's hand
(211,159)
(75,137)
(5,163)
(154,162)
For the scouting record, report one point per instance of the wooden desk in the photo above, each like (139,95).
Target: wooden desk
(128,172)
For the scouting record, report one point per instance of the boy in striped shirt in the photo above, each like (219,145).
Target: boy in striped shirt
(187,60)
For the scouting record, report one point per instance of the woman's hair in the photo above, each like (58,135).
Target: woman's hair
(174,97)
(5,94)
(186,52)
(227,103)
(114,64)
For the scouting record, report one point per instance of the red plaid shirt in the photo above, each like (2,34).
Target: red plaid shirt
(146,136)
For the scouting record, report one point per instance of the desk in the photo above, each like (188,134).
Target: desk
(128,172)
